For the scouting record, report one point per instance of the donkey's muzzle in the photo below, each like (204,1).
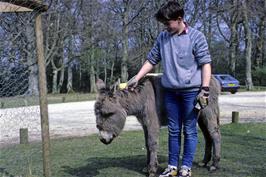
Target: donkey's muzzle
(106,137)
(104,141)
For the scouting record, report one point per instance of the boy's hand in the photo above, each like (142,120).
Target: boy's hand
(203,97)
(132,83)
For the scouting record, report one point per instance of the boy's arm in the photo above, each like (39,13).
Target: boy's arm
(203,96)
(147,67)
(206,74)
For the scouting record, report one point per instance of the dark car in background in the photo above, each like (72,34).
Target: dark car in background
(228,83)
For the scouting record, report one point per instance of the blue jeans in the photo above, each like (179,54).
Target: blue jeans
(180,111)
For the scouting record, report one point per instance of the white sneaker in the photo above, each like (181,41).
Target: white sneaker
(184,172)
(169,172)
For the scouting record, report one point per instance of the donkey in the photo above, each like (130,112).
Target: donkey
(145,102)
(112,108)
(209,123)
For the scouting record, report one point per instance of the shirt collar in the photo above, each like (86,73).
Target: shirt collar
(185,31)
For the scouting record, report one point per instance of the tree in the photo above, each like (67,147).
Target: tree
(248,43)
(260,57)
(128,10)
(231,19)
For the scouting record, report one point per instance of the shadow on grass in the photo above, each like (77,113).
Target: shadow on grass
(3,172)
(95,164)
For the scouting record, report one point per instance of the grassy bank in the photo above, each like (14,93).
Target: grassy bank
(243,154)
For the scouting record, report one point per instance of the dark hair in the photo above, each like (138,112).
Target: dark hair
(171,10)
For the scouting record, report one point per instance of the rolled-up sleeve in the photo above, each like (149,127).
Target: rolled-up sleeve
(201,50)
(154,56)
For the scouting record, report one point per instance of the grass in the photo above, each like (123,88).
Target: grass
(243,154)
(19,101)
(255,89)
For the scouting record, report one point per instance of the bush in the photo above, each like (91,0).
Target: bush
(258,76)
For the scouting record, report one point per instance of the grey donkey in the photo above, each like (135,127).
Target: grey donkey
(112,108)
(209,123)
(145,102)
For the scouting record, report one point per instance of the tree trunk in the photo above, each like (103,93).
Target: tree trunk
(61,80)
(105,69)
(204,19)
(260,44)
(32,63)
(209,33)
(124,69)
(69,66)
(92,73)
(112,70)
(80,77)
(248,41)
(57,85)
(157,5)
(264,38)
(69,79)
(233,39)
(33,81)
(55,73)
(233,49)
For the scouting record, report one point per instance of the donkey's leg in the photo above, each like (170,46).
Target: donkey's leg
(151,131)
(214,130)
(216,137)
(146,143)
(208,142)
(151,144)
(153,136)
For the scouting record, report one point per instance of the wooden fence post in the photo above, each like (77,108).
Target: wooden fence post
(2,104)
(23,136)
(235,117)
(43,98)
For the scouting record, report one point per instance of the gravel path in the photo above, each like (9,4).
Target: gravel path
(250,105)
(78,119)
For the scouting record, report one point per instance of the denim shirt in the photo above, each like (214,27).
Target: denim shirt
(182,57)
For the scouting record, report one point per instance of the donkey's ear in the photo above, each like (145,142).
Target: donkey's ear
(100,84)
(114,87)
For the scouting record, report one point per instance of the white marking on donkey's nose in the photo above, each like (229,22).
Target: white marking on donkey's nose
(105,135)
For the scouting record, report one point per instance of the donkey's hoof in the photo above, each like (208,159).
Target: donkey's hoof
(212,168)
(152,175)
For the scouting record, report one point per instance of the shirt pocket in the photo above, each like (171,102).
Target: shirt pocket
(183,58)
(181,54)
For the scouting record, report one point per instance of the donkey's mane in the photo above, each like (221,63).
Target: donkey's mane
(128,92)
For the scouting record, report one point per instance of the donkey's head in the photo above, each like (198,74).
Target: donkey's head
(110,115)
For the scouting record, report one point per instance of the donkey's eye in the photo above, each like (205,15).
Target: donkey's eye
(99,127)
(107,114)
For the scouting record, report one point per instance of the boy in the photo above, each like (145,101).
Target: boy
(184,53)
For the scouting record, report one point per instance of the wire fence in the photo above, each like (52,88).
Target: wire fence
(20,122)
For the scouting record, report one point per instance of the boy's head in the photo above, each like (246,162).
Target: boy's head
(171,10)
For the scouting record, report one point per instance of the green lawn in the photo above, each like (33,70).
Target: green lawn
(243,155)
(19,101)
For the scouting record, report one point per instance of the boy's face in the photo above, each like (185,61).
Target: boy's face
(174,26)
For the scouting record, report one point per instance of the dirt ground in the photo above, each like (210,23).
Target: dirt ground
(78,119)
